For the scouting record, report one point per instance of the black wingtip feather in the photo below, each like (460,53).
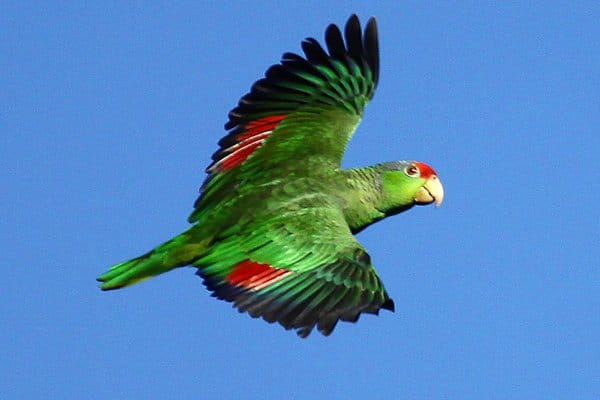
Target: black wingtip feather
(389,305)
(371,42)
(335,43)
(314,52)
(352,32)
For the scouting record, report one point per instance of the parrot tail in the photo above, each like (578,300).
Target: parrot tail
(177,252)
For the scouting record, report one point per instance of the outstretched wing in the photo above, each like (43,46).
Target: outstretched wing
(301,114)
(302,268)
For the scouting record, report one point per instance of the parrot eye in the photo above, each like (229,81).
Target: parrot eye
(412,170)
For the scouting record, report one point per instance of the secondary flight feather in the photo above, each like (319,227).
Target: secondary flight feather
(273,228)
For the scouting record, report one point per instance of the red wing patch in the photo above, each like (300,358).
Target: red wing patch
(250,138)
(252,275)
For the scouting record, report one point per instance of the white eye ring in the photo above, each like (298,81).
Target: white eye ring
(412,170)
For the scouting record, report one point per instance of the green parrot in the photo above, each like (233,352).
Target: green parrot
(273,228)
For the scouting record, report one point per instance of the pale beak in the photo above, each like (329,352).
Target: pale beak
(431,191)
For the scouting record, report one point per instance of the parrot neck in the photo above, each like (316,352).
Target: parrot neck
(367,201)
(362,197)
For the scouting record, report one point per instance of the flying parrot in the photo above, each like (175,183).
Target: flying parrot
(273,228)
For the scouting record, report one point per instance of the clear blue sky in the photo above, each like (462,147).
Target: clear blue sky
(109,115)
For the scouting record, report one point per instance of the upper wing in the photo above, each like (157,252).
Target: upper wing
(303,112)
(302,267)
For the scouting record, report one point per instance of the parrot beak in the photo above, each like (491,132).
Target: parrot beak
(431,191)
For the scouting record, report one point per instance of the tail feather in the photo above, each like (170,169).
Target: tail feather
(175,253)
(131,272)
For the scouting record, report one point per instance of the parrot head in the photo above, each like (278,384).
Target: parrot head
(409,183)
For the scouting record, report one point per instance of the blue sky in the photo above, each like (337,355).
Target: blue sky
(110,114)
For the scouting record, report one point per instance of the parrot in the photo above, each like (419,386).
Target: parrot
(273,229)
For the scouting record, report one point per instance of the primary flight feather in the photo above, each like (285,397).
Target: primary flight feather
(273,226)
